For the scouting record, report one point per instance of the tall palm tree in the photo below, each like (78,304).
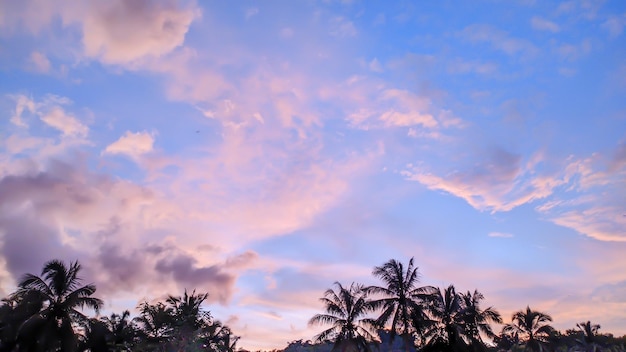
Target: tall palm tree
(477,321)
(402,301)
(532,328)
(445,307)
(62,295)
(346,310)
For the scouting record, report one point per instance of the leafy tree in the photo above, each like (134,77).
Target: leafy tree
(402,299)
(346,310)
(532,328)
(61,295)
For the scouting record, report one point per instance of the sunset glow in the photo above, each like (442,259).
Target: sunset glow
(262,150)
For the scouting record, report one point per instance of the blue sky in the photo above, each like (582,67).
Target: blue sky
(261,151)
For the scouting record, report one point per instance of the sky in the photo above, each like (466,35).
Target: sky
(262,150)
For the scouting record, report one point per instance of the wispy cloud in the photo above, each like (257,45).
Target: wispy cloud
(342,28)
(543,24)
(499,40)
(500,235)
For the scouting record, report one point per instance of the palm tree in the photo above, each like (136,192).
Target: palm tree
(531,327)
(95,337)
(402,299)
(589,331)
(61,294)
(156,323)
(445,307)
(187,315)
(215,336)
(476,321)
(346,311)
(14,311)
(123,331)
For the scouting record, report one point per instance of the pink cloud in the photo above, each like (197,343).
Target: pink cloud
(132,144)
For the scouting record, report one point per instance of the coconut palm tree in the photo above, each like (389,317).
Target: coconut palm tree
(156,324)
(532,328)
(187,316)
(15,310)
(402,301)
(62,295)
(589,339)
(476,321)
(215,336)
(445,307)
(346,310)
(186,309)
(123,332)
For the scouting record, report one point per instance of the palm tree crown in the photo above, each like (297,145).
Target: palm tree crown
(531,326)
(445,307)
(61,294)
(402,298)
(346,310)
(590,335)
(477,321)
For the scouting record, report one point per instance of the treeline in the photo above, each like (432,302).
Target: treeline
(45,315)
(427,318)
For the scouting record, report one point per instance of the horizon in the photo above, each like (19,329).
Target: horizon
(260,151)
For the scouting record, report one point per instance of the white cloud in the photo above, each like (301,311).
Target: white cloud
(542,24)
(615,25)
(132,144)
(342,28)
(251,12)
(499,40)
(462,66)
(69,125)
(500,234)
(286,32)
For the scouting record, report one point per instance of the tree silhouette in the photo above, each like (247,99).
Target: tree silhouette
(476,321)
(346,310)
(61,295)
(531,327)
(589,336)
(402,300)
(122,330)
(445,308)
